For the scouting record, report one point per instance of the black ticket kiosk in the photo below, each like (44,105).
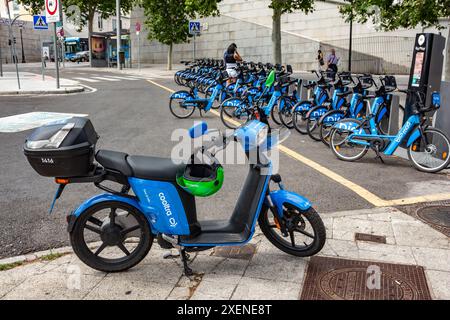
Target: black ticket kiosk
(426,69)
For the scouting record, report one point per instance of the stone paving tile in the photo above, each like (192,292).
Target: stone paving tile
(417,233)
(111,288)
(52,285)
(439,282)
(340,248)
(385,253)
(258,289)
(218,287)
(16,276)
(432,258)
(273,266)
(328,222)
(344,228)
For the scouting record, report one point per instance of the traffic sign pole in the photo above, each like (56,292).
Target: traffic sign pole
(55,46)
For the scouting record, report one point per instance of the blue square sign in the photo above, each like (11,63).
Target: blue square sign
(40,23)
(194,27)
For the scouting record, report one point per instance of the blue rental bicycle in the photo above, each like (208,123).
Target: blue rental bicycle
(183,103)
(428,148)
(114,231)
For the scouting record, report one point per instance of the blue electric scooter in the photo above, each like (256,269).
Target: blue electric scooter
(114,231)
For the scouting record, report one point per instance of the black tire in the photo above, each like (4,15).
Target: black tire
(229,117)
(312,124)
(418,150)
(336,145)
(278,240)
(326,128)
(299,120)
(175,105)
(93,260)
(286,114)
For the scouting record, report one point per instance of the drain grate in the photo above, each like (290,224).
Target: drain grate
(340,279)
(436,215)
(369,237)
(245,252)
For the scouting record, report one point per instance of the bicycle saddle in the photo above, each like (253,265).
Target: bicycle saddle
(144,167)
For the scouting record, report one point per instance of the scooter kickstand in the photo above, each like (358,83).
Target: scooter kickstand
(184,258)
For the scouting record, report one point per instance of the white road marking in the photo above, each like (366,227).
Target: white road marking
(124,78)
(86,79)
(31,120)
(105,79)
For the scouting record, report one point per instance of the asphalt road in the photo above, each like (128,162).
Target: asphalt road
(132,116)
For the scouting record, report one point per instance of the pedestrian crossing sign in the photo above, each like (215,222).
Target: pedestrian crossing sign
(40,23)
(194,27)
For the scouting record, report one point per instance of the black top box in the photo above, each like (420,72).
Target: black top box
(62,149)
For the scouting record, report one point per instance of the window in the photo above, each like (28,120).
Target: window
(114,24)
(100,23)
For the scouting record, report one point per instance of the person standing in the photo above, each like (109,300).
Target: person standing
(231,58)
(320,61)
(332,61)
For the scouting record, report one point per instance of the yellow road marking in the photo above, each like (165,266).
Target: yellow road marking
(360,191)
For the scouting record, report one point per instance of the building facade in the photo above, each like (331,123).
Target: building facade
(248,23)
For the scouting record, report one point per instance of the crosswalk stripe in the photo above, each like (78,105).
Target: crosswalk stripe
(106,79)
(124,78)
(86,79)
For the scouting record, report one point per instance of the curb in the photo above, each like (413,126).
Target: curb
(45,92)
(35,256)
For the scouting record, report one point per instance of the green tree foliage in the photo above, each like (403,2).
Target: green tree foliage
(167,20)
(82,12)
(394,14)
(281,7)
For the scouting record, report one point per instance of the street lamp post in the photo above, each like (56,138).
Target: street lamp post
(12,47)
(118,32)
(350,43)
(21,43)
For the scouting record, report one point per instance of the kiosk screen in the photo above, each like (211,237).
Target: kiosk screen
(418,66)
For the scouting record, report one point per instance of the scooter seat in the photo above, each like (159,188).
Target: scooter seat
(113,160)
(143,167)
(154,168)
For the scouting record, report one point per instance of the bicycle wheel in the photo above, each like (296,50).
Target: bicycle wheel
(286,112)
(326,125)
(180,109)
(430,152)
(341,147)
(306,231)
(111,236)
(312,122)
(275,113)
(299,120)
(382,118)
(234,112)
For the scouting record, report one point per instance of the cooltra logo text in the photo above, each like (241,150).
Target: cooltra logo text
(166,205)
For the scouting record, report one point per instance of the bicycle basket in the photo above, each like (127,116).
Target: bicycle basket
(366,81)
(346,78)
(390,83)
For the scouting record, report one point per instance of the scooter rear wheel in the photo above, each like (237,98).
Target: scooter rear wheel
(111,236)
(306,231)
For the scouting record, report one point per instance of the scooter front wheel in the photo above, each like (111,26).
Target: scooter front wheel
(111,236)
(305,234)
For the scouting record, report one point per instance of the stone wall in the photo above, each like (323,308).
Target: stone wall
(248,23)
(31,44)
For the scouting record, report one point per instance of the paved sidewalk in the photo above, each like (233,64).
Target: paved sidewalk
(266,274)
(31,83)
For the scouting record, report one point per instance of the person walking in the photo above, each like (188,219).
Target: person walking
(320,61)
(231,58)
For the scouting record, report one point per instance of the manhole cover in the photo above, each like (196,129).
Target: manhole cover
(245,252)
(339,279)
(436,215)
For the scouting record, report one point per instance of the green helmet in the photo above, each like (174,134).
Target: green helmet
(201,180)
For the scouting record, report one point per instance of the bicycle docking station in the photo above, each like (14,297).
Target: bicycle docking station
(426,77)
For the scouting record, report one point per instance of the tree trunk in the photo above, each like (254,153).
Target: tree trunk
(169,57)
(90,30)
(276,35)
(447,56)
